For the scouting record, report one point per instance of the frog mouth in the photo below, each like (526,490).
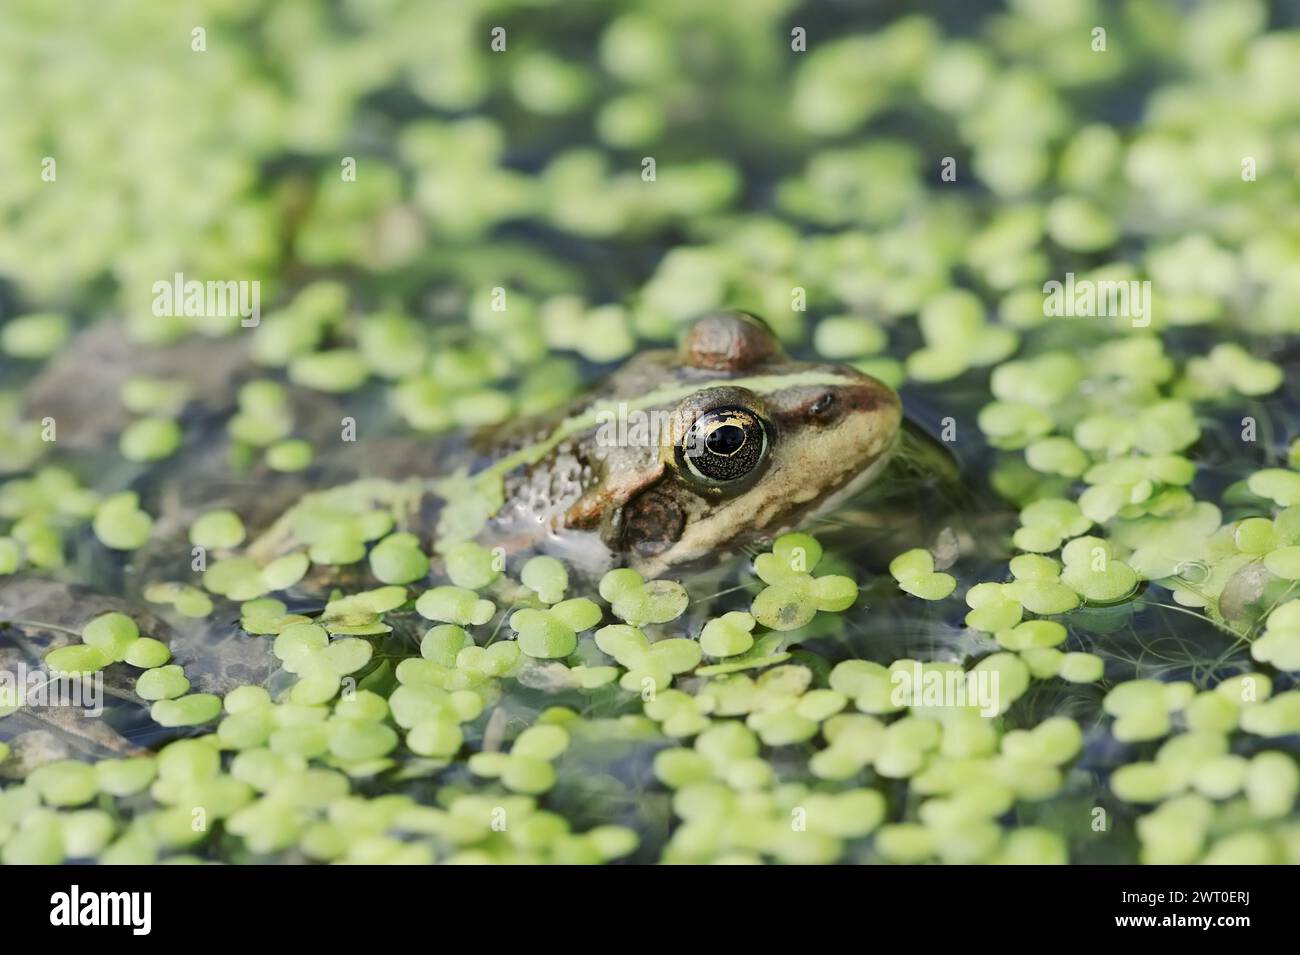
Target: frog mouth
(850,488)
(845,491)
(679,559)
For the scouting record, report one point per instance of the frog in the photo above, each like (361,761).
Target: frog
(675,461)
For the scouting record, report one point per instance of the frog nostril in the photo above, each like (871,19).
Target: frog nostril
(823,405)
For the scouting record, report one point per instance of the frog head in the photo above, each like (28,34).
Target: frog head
(724,442)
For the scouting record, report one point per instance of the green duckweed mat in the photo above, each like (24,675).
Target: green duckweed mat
(1066,230)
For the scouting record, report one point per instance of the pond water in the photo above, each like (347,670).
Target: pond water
(1072,253)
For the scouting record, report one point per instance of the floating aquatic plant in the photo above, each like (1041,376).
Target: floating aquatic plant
(1131,632)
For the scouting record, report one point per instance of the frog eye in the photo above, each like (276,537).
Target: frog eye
(724,445)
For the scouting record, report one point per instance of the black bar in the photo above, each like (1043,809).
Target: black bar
(301,904)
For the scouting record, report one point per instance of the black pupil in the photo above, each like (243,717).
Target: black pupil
(726,440)
(725,445)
